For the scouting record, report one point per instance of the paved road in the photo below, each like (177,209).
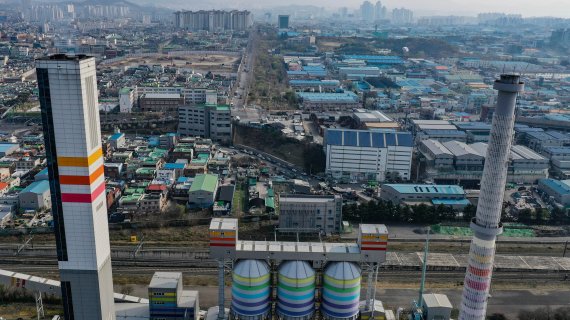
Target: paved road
(508,302)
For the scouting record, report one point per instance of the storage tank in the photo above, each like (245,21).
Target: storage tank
(250,290)
(341,291)
(296,290)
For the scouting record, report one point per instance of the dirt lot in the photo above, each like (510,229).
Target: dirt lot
(201,62)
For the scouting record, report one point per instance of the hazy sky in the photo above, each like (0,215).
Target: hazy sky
(558,8)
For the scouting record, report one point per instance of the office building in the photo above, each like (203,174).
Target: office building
(309,213)
(213,20)
(70,117)
(283,21)
(208,121)
(362,156)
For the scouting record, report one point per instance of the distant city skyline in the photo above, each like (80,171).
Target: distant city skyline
(527,8)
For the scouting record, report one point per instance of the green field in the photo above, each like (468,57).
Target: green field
(466,232)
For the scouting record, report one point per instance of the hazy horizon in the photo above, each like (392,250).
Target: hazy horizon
(528,8)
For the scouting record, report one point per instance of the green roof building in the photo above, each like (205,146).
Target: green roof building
(203,190)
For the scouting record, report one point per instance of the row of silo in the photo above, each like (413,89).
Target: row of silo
(295,290)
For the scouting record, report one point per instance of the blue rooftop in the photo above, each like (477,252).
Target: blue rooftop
(4,147)
(329,97)
(450,202)
(373,59)
(364,138)
(557,150)
(174,166)
(117,136)
(560,187)
(427,189)
(37,187)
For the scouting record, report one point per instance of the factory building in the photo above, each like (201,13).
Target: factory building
(373,120)
(310,213)
(559,160)
(455,162)
(449,195)
(70,117)
(323,102)
(362,156)
(537,141)
(558,190)
(208,121)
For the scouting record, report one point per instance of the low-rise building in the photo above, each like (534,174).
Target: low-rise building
(202,193)
(35,196)
(313,101)
(450,195)
(8,148)
(160,102)
(117,140)
(559,160)
(168,299)
(310,213)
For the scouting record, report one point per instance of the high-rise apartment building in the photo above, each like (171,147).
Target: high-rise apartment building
(367,11)
(213,20)
(283,21)
(70,117)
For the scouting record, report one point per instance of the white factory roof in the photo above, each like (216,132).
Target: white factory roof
(436,147)
(373,229)
(518,152)
(371,116)
(526,153)
(166,280)
(435,300)
(458,149)
(223,224)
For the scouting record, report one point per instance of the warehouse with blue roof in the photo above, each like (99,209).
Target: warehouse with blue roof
(448,195)
(558,190)
(366,156)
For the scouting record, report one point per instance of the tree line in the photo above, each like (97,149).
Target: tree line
(381,211)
